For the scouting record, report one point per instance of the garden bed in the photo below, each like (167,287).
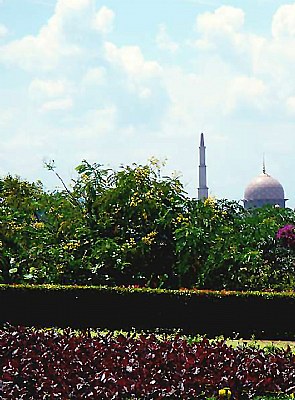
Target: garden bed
(47,363)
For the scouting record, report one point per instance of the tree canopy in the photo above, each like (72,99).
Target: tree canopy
(133,226)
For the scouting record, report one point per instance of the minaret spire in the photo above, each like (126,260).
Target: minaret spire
(203,189)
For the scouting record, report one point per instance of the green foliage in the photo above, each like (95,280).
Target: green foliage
(131,216)
(245,253)
(38,233)
(135,227)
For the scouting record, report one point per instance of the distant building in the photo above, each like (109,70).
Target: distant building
(203,189)
(262,190)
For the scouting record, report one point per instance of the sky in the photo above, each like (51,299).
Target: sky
(120,81)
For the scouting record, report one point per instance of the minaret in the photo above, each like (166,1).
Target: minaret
(203,189)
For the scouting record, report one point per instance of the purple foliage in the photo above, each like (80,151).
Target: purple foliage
(287,235)
(43,364)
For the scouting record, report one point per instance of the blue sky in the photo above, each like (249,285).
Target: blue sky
(120,81)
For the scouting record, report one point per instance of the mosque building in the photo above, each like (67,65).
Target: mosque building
(262,190)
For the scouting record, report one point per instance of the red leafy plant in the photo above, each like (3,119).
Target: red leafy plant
(286,235)
(41,364)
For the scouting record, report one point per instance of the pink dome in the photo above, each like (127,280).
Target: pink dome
(264,187)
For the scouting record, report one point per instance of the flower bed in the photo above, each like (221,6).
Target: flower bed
(40,364)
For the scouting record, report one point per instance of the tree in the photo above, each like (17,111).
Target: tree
(136,227)
(131,214)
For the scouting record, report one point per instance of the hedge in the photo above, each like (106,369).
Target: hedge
(264,314)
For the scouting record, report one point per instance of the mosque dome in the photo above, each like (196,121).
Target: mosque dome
(264,187)
(263,190)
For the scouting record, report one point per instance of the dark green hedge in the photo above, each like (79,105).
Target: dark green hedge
(264,314)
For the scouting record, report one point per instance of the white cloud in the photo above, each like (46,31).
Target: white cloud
(94,77)
(64,6)
(164,42)
(264,63)
(140,72)
(48,3)
(145,93)
(245,91)
(219,27)
(103,20)
(51,95)
(131,60)
(283,23)
(53,41)
(96,123)
(35,52)
(273,58)
(58,104)
(197,98)
(193,98)
(47,88)
(3,30)
(290,105)
(224,20)
(22,153)
(6,116)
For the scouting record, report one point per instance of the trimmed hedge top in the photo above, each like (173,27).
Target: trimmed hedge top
(134,289)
